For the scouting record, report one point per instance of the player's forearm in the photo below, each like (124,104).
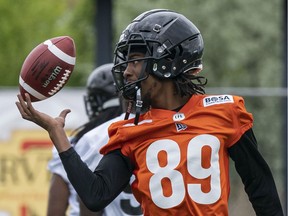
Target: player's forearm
(97,189)
(58,136)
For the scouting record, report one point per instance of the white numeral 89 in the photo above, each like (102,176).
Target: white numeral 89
(194,167)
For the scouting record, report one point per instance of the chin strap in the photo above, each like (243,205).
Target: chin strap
(129,110)
(138,105)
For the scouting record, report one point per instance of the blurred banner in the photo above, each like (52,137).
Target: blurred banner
(25,150)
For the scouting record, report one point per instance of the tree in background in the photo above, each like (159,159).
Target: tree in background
(26,23)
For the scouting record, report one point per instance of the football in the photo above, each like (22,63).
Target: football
(47,68)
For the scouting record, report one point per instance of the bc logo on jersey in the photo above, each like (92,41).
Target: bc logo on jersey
(217,99)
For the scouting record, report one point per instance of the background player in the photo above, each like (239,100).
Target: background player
(102,104)
(179,150)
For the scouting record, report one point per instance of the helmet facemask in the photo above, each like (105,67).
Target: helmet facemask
(96,101)
(124,49)
(132,91)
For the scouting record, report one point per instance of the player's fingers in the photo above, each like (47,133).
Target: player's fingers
(62,116)
(22,107)
(64,113)
(29,104)
(21,102)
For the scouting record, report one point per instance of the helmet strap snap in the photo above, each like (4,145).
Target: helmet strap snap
(138,105)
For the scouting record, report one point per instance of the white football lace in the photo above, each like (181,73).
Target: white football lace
(61,83)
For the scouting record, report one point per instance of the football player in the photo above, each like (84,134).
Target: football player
(103,107)
(179,149)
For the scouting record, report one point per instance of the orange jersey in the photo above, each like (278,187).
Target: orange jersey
(181,159)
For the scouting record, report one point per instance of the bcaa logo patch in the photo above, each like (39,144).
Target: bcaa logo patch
(217,99)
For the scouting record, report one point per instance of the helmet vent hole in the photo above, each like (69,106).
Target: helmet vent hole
(167,23)
(144,30)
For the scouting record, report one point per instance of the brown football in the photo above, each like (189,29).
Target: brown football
(47,68)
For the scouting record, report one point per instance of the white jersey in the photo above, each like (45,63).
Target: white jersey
(88,149)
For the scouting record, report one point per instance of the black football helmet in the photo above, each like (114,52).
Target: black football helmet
(172,45)
(100,91)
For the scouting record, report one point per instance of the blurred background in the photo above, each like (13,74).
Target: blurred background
(245,54)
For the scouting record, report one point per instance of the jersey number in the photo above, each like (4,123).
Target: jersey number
(194,167)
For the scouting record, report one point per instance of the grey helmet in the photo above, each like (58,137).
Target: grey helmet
(100,91)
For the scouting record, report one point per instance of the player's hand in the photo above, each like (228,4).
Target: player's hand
(45,121)
(54,126)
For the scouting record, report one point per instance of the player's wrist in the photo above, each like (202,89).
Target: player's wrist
(58,136)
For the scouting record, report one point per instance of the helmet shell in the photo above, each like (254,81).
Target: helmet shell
(174,44)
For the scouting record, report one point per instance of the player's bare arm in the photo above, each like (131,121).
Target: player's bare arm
(54,126)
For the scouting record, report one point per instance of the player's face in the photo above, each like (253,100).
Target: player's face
(134,68)
(150,86)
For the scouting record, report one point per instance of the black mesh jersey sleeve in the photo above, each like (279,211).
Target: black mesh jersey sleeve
(256,176)
(97,189)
